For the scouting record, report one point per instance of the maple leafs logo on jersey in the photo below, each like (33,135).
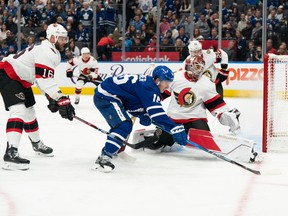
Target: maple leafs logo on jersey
(185,98)
(21,96)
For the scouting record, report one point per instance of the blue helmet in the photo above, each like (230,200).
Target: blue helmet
(163,73)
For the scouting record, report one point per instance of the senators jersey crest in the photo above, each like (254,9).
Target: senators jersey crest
(185,98)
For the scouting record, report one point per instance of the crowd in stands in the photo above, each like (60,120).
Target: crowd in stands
(242,25)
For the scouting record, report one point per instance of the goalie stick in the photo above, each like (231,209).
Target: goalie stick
(134,146)
(257,172)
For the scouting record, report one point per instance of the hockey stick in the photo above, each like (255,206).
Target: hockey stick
(134,146)
(218,155)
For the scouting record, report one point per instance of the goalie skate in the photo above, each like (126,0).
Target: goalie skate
(103,163)
(77,99)
(12,161)
(42,149)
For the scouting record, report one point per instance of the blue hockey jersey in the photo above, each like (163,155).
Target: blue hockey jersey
(138,94)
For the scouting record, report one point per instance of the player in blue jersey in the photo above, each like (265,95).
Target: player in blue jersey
(139,96)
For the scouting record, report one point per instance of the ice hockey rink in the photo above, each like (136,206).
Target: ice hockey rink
(181,183)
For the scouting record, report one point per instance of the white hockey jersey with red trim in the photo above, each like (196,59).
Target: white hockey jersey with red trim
(189,100)
(85,67)
(35,65)
(210,57)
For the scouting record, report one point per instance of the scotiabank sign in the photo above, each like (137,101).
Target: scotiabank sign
(145,56)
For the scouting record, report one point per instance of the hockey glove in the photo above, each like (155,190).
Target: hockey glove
(52,106)
(69,73)
(145,119)
(92,76)
(179,134)
(230,118)
(66,110)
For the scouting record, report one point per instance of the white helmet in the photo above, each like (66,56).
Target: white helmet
(195,48)
(57,30)
(195,66)
(85,50)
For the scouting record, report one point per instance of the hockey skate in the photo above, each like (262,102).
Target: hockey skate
(103,163)
(77,99)
(12,160)
(42,149)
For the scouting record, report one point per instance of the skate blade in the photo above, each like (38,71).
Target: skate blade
(97,167)
(15,166)
(44,155)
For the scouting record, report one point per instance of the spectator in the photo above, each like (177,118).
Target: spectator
(82,34)
(11,50)
(71,32)
(12,9)
(168,35)
(137,45)
(252,2)
(3,32)
(165,46)
(257,33)
(203,26)
(273,23)
(228,29)
(34,17)
(185,7)
(258,54)
(182,35)
(139,13)
(232,21)
(109,18)
(282,49)
(137,22)
(207,11)
(42,34)
(47,14)
(214,34)
(230,50)
(241,46)
(104,48)
(131,5)
(22,20)
(86,17)
(151,22)
(145,6)
(132,31)
(187,25)
(247,31)
(242,23)
(270,48)
(197,34)
(279,15)
(256,18)
(182,49)
(75,51)
(175,32)
(177,4)
(30,41)
(151,47)
(250,54)
(164,26)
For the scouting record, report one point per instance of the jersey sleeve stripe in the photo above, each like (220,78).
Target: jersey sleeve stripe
(157,114)
(214,103)
(154,107)
(118,135)
(43,66)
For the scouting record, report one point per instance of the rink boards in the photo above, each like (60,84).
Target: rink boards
(245,79)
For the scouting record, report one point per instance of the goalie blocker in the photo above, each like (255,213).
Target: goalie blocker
(232,147)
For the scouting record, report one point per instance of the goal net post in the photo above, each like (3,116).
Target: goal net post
(275,103)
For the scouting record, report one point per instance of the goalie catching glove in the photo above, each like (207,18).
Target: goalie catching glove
(179,134)
(230,118)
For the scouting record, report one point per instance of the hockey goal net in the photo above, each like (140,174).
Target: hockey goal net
(275,103)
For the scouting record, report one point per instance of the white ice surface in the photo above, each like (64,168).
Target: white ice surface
(183,183)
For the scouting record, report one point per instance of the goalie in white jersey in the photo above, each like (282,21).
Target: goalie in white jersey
(211,57)
(88,67)
(33,65)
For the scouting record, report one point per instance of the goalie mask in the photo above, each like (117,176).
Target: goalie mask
(195,48)
(194,68)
